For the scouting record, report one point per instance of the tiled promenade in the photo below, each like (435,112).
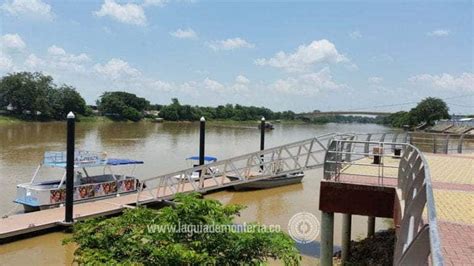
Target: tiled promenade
(453,183)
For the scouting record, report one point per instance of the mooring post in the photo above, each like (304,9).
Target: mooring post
(346,236)
(202,137)
(327,238)
(70,168)
(262,140)
(370,226)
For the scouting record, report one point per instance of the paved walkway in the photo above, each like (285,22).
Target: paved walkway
(453,184)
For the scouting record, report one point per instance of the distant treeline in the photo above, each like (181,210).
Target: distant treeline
(34,96)
(348,119)
(178,112)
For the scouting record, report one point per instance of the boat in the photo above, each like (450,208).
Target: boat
(268,126)
(39,195)
(194,161)
(276,181)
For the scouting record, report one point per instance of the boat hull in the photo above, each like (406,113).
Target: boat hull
(277,181)
(47,195)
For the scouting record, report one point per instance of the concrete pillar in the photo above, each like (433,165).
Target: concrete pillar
(327,238)
(346,236)
(371,226)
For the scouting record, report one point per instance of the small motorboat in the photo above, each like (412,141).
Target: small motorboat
(194,161)
(38,195)
(268,126)
(276,181)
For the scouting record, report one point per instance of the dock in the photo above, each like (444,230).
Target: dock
(289,158)
(452,182)
(447,211)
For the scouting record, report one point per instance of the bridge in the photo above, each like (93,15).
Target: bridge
(333,113)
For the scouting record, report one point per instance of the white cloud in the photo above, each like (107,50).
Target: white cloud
(307,84)
(242,79)
(28,8)
(125,13)
(230,44)
(438,33)
(184,34)
(464,81)
(375,80)
(322,51)
(12,41)
(355,35)
(60,59)
(116,69)
(33,62)
(6,62)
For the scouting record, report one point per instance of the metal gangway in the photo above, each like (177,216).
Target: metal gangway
(286,159)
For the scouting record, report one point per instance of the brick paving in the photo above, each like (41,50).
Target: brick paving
(453,187)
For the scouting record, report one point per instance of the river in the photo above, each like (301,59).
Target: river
(163,147)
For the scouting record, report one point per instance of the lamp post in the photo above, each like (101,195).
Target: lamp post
(262,139)
(202,137)
(70,167)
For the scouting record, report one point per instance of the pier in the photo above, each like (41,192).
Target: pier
(441,232)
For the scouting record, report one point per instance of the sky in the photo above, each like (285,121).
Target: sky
(298,55)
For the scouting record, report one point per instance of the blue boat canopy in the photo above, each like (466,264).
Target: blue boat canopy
(122,162)
(206,158)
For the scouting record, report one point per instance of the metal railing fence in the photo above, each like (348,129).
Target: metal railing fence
(417,240)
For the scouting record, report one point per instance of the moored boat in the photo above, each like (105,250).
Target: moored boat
(276,181)
(37,194)
(195,162)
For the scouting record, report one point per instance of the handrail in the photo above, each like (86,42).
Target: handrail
(414,182)
(286,159)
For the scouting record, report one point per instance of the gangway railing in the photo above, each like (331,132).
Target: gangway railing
(417,238)
(286,159)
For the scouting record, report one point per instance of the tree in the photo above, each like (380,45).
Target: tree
(429,110)
(122,105)
(66,99)
(144,236)
(35,95)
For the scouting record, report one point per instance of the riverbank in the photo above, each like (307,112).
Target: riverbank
(8,119)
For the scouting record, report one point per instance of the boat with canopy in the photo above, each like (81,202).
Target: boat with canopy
(95,176)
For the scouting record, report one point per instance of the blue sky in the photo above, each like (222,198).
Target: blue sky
(305,55)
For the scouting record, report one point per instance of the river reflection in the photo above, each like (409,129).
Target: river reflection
(163,148)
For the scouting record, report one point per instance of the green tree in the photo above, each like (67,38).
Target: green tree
(122,105)
(429,110)
(34,95)
(132,238)
(26,92)
(66,99)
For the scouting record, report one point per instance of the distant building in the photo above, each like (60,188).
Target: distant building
(154,113)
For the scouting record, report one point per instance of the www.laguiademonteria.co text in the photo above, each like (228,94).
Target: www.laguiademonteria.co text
(212,228)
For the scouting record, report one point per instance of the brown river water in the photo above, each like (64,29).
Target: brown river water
(163,148)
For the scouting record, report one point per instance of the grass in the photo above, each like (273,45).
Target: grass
(6,119)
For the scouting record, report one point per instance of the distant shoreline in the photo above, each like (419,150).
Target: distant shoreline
(8,119)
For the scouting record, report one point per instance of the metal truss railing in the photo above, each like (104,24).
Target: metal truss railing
(286,159)
(442,142)
(417,240)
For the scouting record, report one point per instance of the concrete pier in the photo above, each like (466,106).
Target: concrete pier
(327,238)
(346,236)
(370,226)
